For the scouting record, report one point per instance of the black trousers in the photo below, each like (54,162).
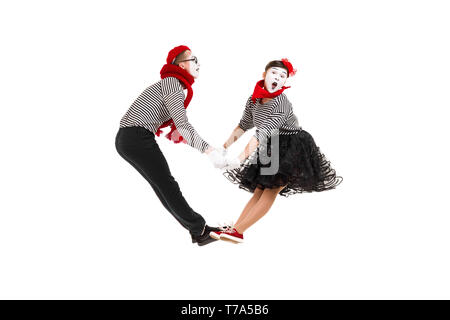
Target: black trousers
(138,147)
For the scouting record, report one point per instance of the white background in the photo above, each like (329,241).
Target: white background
(78,222)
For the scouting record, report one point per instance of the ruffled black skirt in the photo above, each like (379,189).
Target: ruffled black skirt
(300,166)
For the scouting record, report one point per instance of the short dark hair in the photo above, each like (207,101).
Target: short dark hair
(182,56)
(277,64)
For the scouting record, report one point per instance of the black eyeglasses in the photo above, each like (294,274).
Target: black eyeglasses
(192,59)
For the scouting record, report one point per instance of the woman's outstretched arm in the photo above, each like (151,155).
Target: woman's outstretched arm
(246,123)
(249,149)
(236,134)
(251,146)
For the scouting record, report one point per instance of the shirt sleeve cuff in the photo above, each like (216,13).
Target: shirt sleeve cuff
(204,147)
(242,127)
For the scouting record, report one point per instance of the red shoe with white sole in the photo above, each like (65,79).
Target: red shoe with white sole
(232,235)
(217,234)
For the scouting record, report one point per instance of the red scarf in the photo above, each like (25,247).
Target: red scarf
(171,70)
(260,92)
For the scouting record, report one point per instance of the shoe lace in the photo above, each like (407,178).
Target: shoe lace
(227,226)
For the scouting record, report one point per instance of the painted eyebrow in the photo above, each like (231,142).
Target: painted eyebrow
(281,70)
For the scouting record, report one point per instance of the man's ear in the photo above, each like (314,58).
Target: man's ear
(264,75)
(182,65)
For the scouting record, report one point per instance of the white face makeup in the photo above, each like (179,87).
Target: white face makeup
(194,66)
(275,79)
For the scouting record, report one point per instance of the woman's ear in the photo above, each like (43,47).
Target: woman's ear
(264,75)
(182,65)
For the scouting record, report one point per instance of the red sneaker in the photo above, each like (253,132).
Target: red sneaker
(232,235)
(217,233)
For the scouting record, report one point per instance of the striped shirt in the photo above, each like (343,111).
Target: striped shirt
(158,103)
(277,114)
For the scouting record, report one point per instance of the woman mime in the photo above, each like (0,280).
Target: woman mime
(280,159)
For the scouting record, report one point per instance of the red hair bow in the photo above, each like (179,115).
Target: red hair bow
(289,66)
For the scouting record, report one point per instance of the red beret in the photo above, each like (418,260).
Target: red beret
(175,52)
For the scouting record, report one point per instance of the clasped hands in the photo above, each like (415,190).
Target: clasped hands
(220,160)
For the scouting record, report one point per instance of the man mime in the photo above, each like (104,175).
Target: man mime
(163,104)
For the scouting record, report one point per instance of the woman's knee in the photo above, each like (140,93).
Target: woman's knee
(257,193)
(273,191)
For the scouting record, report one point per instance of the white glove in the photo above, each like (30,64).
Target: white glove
(232,163)
(217,159)
(222,151)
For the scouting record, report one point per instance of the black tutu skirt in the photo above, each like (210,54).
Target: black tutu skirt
(301,167)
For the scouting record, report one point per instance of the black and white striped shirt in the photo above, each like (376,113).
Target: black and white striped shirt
(276,114)
(157,104)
